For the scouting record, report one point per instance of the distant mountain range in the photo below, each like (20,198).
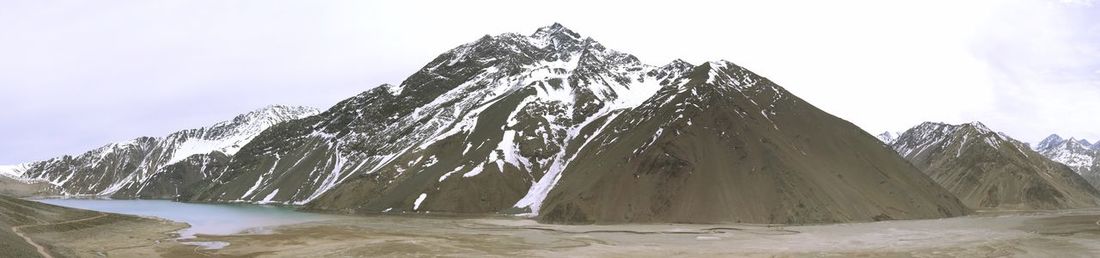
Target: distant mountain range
(127,169)
(989,170)
(555,125)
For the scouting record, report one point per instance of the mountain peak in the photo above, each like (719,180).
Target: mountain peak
(555,35)
(678,65)
(1050,142)
(979,126)
(1075,140)
(1056,141)
(1053,138)
(555,30)
(679,62)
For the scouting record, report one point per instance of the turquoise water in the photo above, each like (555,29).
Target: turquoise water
(212,219)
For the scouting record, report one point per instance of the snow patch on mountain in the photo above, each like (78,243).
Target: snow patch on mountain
(888,137)
(419,199)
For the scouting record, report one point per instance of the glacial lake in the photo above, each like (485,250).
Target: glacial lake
(212,219)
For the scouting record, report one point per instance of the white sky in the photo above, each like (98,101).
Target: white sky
(75,75)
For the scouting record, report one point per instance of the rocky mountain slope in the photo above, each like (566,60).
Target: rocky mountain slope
(1078,154)
(723,144)
(989,170)
(515,123)
(123,169)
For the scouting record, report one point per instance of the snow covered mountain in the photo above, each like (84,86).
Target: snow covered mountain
(1078,154)
(989,170)
(125,166)
(508,122)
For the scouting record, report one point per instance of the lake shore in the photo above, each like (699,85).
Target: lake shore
(203,218)
(112,236)
(34,229)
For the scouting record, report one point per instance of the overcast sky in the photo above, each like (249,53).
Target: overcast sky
(75,75)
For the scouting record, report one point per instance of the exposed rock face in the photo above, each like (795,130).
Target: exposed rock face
(122,169)
(1078,154)
(989,170)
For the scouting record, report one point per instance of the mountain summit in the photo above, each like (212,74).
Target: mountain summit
(556,33)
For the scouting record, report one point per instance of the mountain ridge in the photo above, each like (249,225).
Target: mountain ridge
(989,170)
(105,170)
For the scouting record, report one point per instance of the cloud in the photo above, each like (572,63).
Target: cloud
(1043,56)
(77,74)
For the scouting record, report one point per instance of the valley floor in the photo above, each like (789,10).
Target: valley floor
(1035,234)
(1073,233)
